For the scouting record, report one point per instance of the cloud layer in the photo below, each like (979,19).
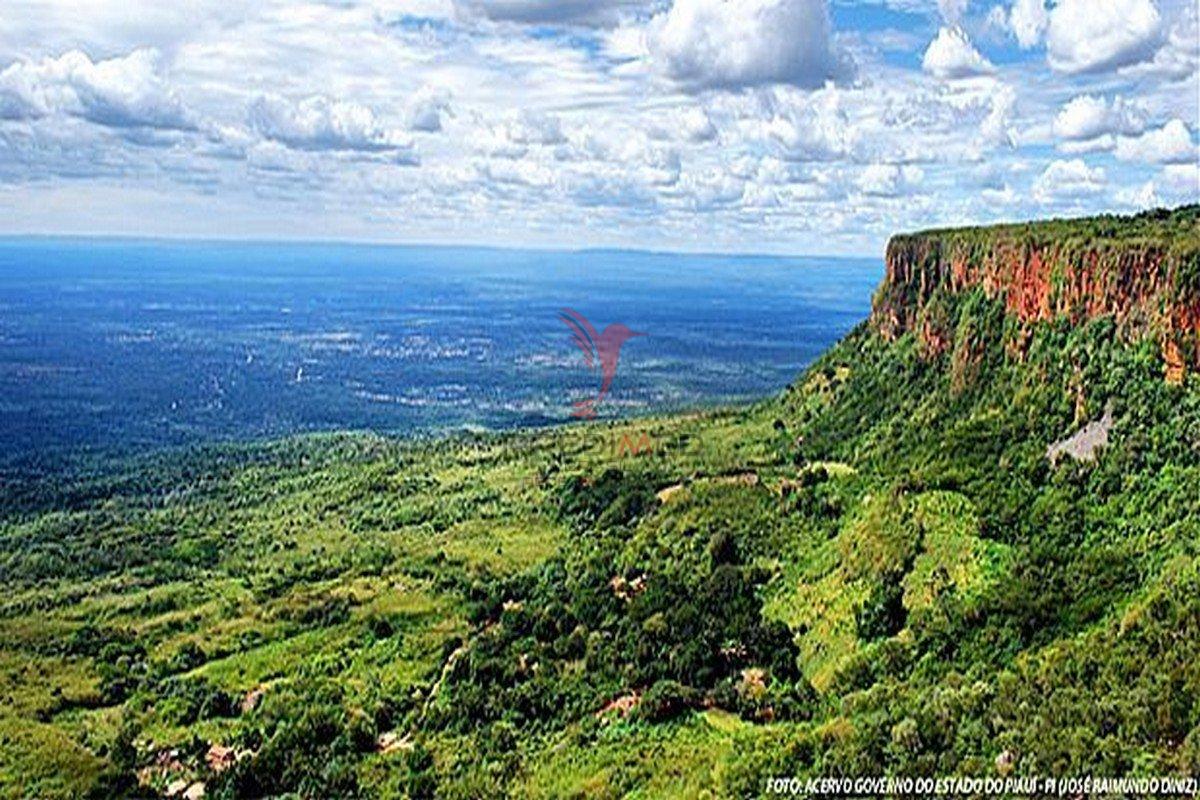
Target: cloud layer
(698,124)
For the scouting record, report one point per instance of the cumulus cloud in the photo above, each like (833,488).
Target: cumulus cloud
(705,44)
(767,170)
(1179,58)
(1176,183)
(889,180)
(805,127)
(951,55)
(1088,117)
(1170,144)
(318,123)
(426,110)
(653,163)
(1028,20)
(997,126)
(512,136)
(696,126)
(1087,36)
(709,189)
(613,190)
(516,173)
(1068,180)
(124,92)
(531,127)
(660,166)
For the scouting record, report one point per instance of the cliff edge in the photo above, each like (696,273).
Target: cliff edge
(1143,271)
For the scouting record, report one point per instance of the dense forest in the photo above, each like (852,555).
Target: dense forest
(966,541)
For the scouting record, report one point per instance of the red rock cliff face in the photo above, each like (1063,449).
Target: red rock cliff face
(1143,271)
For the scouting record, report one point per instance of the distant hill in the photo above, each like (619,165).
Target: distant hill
(966,542)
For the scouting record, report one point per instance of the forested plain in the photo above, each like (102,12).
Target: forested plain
(879,571)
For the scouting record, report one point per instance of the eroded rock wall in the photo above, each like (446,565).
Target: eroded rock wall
(1142,271)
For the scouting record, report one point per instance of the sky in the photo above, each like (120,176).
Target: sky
(790,126)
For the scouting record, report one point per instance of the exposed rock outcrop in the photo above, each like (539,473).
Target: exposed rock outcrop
(1083,444)
(1143,272)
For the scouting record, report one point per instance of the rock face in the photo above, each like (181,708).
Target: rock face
(1142,271)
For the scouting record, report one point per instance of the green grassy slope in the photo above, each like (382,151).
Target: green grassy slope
(877,572)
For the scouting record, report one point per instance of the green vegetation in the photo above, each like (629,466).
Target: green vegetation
(878,572)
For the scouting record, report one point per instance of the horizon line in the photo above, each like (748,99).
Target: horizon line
(387,243)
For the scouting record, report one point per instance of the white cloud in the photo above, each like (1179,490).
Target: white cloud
(426,110)
(582,122)
(1004,196)
(1088,117)
(626,43)
(721,44)
(611,190)
(1179,58)
(531,127)
(952,10)
(513,136)
(1176,183)
(889,180)
(1170,144)
(124,92)
(494,142)
(697,126)
(1068,180)
(1089,36)
(520,172)
(1099,144)
(710,189)
(318,123)
(108,28)
(951,55)
(997,126)
(227,142)
(273,157)
(660,166)
(1181,181)
(996,21)
(767,170)
(549,12)
(1139,197)
(806,128)
(994,187)
(1028,20)
(519,131)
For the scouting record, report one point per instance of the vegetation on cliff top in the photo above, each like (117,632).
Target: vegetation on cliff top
(877,572)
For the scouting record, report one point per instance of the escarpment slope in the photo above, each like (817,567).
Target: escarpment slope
(1143,272)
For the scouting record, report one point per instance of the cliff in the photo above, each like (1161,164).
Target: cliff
(1143,271)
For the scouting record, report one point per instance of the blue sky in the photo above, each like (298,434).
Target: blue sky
(800,126)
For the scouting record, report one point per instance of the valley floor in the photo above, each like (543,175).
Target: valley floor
(877,573)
